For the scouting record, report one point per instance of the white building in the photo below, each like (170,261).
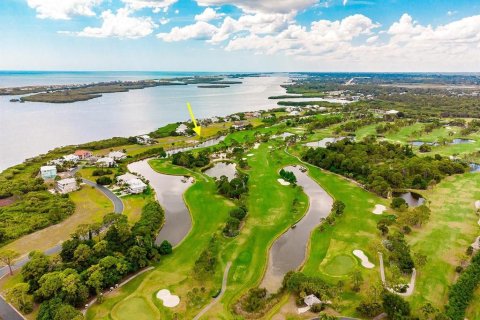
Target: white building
(124,178)
(145,139)
(66,185)
(310,300)
(48,172)
(71,158)
(105,162)
(392,112)
(181,129)
(136,186)
(294,113)
(117,155)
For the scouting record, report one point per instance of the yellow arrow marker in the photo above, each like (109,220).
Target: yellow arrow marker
(197,129)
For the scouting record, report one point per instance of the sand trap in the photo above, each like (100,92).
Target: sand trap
(365,262)
(476,245)
(283,182)
(244,158)
(250,155)
(169,300)
(256,145)
(379,209)
(270,147)
(477,204)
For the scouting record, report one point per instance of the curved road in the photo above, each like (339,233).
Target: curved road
(9,313)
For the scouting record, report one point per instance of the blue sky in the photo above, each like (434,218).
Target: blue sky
(240,35)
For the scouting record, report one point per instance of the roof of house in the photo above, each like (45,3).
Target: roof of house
(82,152)
(116,154)
(311,300)
(126,177)
(136,183)
(105,159)
(67,181)
(70,157)
(48,168)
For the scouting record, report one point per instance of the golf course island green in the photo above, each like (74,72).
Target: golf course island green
(296,212)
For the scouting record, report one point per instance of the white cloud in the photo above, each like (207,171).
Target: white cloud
(155,5)
(266,6)
(63,9)
(198,31)
(120,25)
(451,13)
(164,21)
(207,15)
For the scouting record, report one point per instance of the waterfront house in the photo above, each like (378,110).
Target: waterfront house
(65,186)
(181,129)
(145,139)
(71,158)
(239,125)
(83,154)
(294,113)
(105,162)
(124,178)
(136,186)
(117,155)
(48,172)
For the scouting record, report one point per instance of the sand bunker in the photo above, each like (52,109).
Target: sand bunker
(476,245)
(250,155)
(365,262)
(270,147)
(477,204)
(169,300)
(256,145)
(379,209)
(244,158)
(283,182)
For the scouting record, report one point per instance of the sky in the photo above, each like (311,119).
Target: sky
(241,35)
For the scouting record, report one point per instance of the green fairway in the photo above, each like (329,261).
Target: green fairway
(445,238)
(135,308)
(339,265)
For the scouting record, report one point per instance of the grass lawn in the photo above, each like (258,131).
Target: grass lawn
(91,206)
(87,173)
(209,212)
(134,203)
(330,255)
(365,131)
(445,238)
(405,134)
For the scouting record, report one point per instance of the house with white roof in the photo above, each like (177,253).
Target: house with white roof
(65,186)
(294,113)
(392,112)
(310,300)
(181,129)
(136,186)
(117,155)
(145,139)
(48,172)
(71,158)
(124,178)
(105,162)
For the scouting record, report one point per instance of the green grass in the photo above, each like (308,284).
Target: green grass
(339,265)
(134,203)
(451,229)
(365,131)
(405,134)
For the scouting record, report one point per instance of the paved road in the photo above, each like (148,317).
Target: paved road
(6,311)
(215,300)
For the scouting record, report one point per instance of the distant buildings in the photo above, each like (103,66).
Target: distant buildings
(105,162)
(310,300)
(65,186)
(117,155)
(181,129)
(132,182)
(83,154)
(145,139)
(71,158)
(239,125)
(48,172)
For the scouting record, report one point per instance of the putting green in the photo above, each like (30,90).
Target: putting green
(134,308)
(340,265)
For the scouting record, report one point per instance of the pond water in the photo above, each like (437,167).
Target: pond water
(474,167)
(421,143)
(169,192)
(222,168)
(413,199)
(462,141)
(324,142)
(289,250)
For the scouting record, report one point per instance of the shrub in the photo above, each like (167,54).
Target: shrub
(104,181)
